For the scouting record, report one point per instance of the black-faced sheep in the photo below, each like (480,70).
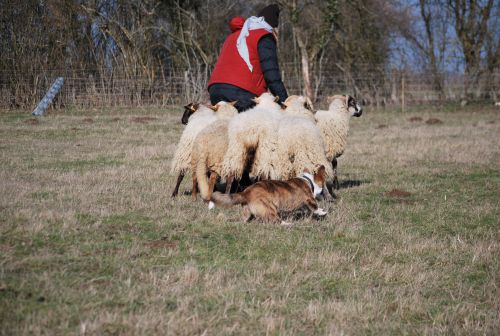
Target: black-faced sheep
(334,126)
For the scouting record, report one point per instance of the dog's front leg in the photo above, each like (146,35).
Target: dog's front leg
(327,193)
(313,206)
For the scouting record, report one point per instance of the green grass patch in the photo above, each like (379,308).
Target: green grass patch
(91,242)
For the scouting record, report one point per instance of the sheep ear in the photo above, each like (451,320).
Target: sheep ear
(308,104)
(189,106)
(329,100)
(194,107)
(276,99)
(233,103)
(255,100)
(214,107)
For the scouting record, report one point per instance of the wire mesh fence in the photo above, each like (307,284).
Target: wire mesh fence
(160,88)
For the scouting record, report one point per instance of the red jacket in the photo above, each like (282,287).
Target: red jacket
(232,69)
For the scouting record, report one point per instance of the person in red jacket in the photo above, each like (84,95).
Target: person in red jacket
(248,63)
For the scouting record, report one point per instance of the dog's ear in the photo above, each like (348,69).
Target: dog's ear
(321,170)
(320,175)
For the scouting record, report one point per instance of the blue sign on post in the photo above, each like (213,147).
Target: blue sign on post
(49,96)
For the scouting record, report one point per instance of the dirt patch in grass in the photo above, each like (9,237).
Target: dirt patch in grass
(88,120)
(415,119)
(398,193)
(143,120)
(162,243)
(32,121)
(96,283)
(433,121)
(381,126)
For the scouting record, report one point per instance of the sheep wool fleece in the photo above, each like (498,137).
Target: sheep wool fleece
(334,126)
(203,117)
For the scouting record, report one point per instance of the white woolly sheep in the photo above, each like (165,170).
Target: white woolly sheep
(298,106)
(252,131)
(300,147)
(334,126)
(200,116)
(208,152)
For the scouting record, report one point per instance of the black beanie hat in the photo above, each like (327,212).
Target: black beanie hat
(271,14)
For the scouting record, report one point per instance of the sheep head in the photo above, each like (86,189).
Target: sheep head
(189,109)
(266,100)
(346,103)
(354,107)
(225,109)
(301,101)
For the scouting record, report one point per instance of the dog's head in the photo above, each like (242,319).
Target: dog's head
(353,107)
(189,109)
(317,180)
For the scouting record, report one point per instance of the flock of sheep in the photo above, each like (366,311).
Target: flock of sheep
(267,141)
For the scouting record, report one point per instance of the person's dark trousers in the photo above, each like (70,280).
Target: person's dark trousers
(229,93)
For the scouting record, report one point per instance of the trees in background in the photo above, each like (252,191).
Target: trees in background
(321,43)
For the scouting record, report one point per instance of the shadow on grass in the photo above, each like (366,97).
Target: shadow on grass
(352,183)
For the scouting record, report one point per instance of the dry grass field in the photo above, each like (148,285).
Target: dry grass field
(91,242)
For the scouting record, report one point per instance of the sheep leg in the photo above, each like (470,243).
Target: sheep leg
(194,191)
(335,181)
(176,189)
(229,183)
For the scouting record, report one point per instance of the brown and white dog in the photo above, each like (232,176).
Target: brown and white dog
(268,199)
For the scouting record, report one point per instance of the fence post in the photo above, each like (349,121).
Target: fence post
(402,93)
(49,96)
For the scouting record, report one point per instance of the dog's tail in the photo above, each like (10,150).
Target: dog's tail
(226,200)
